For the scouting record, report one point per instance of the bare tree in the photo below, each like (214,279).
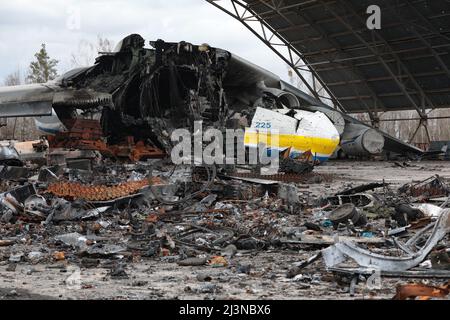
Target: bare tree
(88,51)
(13,79)
(17,128)
(104,44)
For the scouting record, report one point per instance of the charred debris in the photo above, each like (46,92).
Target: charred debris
(104,194)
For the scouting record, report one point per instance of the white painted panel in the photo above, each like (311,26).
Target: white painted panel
(266,120)
(315,124)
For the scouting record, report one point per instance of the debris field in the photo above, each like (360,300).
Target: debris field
(102,208)
(152,230)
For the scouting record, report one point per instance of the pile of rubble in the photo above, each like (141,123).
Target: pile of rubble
(104,214)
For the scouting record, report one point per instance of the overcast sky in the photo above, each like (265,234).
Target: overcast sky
(25,24)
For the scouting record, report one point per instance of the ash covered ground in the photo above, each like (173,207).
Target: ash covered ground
(233,240)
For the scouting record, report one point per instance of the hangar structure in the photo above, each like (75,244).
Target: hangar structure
(405,65)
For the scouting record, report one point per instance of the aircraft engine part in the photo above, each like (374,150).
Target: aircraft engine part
(284,99)
(368,142)
(348,212)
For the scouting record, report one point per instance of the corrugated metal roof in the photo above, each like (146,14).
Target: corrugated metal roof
(403,66)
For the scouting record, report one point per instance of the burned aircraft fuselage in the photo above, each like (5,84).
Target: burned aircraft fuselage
(147,93)
(154,90)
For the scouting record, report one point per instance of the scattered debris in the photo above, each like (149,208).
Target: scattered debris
(338,252)
(427,189)
(192,262)
(100,214)
(346,213)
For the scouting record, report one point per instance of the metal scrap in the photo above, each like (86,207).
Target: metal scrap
(97,193)
(362,188)
(433,187)
(282,177)
(341,250)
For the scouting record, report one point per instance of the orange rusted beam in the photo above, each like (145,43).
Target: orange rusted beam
(421,291)
(98,192)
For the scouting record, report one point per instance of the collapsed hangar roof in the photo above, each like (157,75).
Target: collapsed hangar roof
(403,66)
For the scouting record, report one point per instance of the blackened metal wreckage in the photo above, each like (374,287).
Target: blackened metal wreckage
(147,93)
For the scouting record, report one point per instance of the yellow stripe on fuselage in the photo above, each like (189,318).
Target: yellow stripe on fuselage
(322,146)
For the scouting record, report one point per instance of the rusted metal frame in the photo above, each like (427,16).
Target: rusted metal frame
(388,69)
(378,102)
(264,25)
(96,193)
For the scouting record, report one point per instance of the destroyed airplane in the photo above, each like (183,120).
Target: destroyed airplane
(135,97)
(120,217)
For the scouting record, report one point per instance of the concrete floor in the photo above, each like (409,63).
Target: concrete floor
(160,279)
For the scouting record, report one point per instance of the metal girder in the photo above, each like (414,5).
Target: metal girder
(342,66)
(422,123)
(431,27)
(389,54)
(273,39)
(414,119)
(377,102)
(424,95)
(396,94)
(301,28)
(424,39)
(420,109)
(433,52)
(373,46)
(357,81)
(300,3)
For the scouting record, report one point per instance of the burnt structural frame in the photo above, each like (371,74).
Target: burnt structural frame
(420,23)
